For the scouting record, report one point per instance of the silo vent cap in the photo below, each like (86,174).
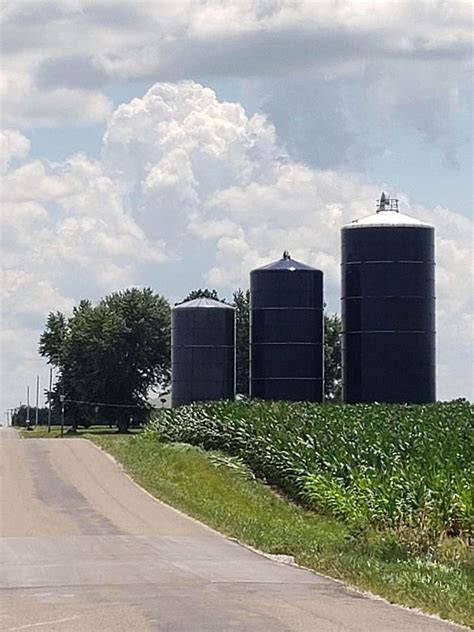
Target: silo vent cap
(286,255)
(386,203)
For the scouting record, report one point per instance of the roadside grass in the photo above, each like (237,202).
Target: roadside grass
(221,492)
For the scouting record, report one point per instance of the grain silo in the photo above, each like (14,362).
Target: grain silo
(388,308)
(286,331)
(202,351)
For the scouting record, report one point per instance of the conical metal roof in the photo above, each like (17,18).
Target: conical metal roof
(203,302)
(286,263)
(387,218)
(387,215)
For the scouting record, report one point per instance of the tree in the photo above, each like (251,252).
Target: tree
(202,293)
(332,358)
(53,338)
(111,354)
(19,416)
(241,301)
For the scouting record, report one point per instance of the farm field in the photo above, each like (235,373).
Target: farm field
(395,483)
(405,469)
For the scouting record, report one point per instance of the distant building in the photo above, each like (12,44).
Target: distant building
(160,401)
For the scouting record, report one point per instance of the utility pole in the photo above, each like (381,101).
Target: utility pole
(49,397)
(37,398)
(27,406)
(62,398)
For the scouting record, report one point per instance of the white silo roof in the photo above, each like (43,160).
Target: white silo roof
(203,302)
(387,218)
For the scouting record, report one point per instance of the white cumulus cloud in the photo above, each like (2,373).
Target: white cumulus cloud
(13,144)
(59,56)
(194,184)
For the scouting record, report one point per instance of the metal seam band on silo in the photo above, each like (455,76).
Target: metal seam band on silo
(286,331)
(388,308)
(202,351)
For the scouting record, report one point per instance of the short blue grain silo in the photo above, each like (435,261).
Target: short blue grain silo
(202,351)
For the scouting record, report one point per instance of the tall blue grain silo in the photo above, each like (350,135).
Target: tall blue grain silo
(202,351)
(388,308)
(286,331)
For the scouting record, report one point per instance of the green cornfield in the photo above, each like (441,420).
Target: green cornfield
(404,468)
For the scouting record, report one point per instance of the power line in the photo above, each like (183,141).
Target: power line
(80,401)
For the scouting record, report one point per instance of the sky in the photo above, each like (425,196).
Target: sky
(180,144)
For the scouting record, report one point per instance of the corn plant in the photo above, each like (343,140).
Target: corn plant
(409,468)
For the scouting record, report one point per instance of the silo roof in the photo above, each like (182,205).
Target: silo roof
(203,302)
(285,264)
(387,218)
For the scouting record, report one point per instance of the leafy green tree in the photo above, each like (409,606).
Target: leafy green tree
(110,354)
(241,301)
(19,416)
(202,293)
(332,358)
(53,338)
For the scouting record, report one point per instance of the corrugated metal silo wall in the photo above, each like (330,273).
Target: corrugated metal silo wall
(202,354)
(286,336)
(388,314)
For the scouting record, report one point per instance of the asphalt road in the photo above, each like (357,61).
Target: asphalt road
(84,549)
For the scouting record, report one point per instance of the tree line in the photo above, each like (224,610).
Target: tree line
(24,413)
(110,355)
